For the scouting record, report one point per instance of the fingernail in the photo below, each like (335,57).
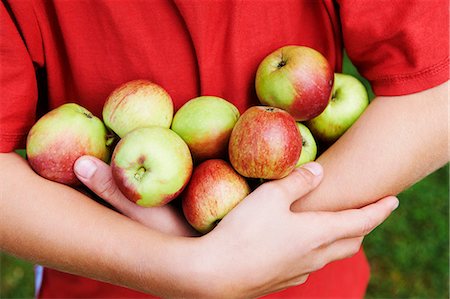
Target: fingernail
(85,168)
(395,204)
(313,167)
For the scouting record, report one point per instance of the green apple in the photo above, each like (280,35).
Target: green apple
(309,146)
(349,100)
(151,165)
(135,104)
(205,124)
(60,137)
(297,79)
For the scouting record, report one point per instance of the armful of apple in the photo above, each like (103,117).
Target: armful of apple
(259,224)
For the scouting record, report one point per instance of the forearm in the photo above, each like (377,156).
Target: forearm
(56,226)
(395,143)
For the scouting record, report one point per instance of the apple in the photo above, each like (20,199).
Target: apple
(214,189)
(205,124)
(265,143)
(348,102)
(309,145)
(151,165)
(60,137)
(297,79)
(135,104)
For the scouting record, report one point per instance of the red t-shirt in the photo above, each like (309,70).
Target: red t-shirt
(79,51)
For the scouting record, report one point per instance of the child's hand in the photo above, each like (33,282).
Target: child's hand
(263,244)
(96,175)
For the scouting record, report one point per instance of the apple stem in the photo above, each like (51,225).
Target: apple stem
(334,95)
(110,139)
(281,64)
(140,173)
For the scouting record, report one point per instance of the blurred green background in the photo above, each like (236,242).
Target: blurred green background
(408,253)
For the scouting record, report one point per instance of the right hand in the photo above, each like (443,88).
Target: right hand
(261,246)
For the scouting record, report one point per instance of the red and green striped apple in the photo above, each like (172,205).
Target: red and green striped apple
(60,137)
(151,165)
(136,104)
(297,79)
(214,190)
(265,143)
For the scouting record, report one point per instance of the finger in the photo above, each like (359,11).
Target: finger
(96,175)
(298,280)
(357,222)
(335,251)
(297,184)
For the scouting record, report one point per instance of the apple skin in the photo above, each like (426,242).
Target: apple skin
(265,143)
(205,124)
(214,189)
(60,137)
(309,146)
(135,104)
(348,102)
(151,166)
(297,79)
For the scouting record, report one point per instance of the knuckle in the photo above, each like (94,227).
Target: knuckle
(274,190)
(353,248)
(299,280)
(368,223)
(107,188)
(302,177)
(319,264)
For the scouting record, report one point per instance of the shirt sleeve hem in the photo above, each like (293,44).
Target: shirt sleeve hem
(404,84)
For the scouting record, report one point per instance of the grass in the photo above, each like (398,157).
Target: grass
(408,253)
(16,277)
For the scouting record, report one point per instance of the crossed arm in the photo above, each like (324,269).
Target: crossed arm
(395,143)
(59,227)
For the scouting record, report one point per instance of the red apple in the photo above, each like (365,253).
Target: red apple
(214,190)
(60,137)
(297,79)
(151,165)
(136,104)
(265,143)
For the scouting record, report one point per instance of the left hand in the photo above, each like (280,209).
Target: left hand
(96,175)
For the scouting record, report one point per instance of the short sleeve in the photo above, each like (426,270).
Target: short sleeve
(18,85)
(400,46)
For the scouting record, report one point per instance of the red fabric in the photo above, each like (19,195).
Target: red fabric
(55,52)
(342,279)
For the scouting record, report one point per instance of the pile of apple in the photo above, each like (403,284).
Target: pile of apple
(206,153)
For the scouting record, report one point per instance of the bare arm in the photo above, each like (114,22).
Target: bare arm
(57,226)
(395,143)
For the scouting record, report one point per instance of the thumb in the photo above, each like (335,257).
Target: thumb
(300,182)
(97,176)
